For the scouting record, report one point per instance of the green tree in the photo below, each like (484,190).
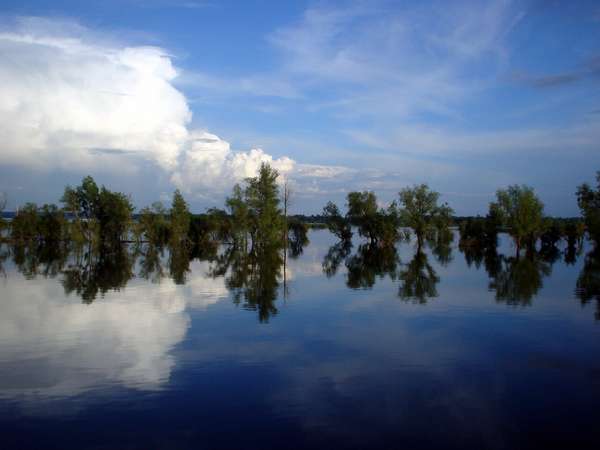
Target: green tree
(51,224)
(588,200)
(262,198)
(3,202)
(362,213)
(422,213)
(240,220)
(153,224)
(24,225)
(113,213)
(180,218)
(82,202)
(336,223)
(522,212)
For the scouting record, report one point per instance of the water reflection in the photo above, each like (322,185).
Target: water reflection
(335,256)
(588,282)
(95,273)
(441,248)
(151,263)
(179,263)
(418,280)
(517,280)
(253,278)
(369,262)
(36,259)
(331,364)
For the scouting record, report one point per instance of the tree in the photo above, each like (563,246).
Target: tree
(588,200)
(336,223)
(51,224)
(265,217)
(82,201)
(180,218)
(238,209)
(153,224)
(3,201)
(23,227)
(421,212)
(522,213)
(113,213)
(362,212)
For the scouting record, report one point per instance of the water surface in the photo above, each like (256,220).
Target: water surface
(341,348)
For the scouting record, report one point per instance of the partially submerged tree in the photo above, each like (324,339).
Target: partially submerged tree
(240,219)
(153,224)
(3,201)
(113,213)
(265,217)
(588,200)
(82,202)
(362,212)
(24,225)
(379,225)
(336,223)
(522,213)
(422,213)
(180,218)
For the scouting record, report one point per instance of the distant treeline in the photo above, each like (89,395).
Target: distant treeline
(255,218)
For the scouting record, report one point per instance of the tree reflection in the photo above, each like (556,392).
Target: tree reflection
(297,239)
(35,258)
(335,256)
(151,267)
(369,262)
(252,277)
(98,272)
(180,256)
(4,254)
(418,280)
(588,283)
(441,248)
(517,280)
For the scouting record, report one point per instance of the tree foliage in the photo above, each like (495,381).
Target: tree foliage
(336,223)
(522,213)
(99,214)
(588,200)
(180,218)
(422,213)
(265,216)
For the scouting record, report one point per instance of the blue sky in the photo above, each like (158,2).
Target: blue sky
(152,95)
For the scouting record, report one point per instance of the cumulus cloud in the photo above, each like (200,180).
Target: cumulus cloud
(64,95)
(71,99)
(208,162)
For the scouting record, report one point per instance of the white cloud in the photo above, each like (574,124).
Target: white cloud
(67,101)
(208,162)
(71,99)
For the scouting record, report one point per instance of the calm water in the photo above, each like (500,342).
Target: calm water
(352,348)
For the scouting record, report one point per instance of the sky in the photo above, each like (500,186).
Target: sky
(152,95)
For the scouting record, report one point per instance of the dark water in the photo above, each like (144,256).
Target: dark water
(388,351)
